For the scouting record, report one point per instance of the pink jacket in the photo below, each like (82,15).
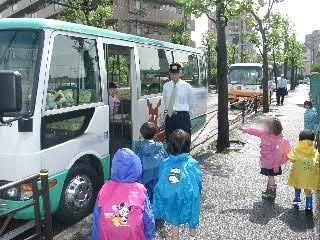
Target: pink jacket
(274,149)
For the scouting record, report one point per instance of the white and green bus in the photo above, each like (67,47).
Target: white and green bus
(54,105)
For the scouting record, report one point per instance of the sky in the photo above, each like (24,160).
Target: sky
(305,15)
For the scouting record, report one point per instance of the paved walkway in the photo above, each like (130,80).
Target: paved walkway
(232,207)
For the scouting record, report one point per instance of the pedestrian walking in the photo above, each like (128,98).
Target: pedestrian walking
(152,154)
(177,193)
(305,171)
(282,89)
(274,149)
(177,97)
(123,209)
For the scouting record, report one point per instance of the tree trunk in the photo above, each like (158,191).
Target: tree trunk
(265,80)
(275,68)
(285,64)
(223,119)
(292,81)
(209,63)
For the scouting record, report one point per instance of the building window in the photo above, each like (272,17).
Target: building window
(139,30)
(34,15)
(138,4)
(154,69)
(15,7)
(74,73)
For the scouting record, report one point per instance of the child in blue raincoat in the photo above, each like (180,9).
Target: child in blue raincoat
(311,118)
(152,154)
(178,191)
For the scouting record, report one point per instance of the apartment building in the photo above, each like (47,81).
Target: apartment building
(312,43)
(147,18)
(235,35)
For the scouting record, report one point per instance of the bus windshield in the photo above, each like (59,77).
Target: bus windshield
(245,75)
(19,52)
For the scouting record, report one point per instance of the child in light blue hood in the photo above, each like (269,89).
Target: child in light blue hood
(178,191)
(311,118)
(152,154)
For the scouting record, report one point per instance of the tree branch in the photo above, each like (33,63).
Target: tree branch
(270,6)
(211,18)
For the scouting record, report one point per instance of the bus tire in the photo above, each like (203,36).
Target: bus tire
(79,193)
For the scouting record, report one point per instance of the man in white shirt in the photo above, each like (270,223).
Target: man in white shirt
(177,98)
(281,89)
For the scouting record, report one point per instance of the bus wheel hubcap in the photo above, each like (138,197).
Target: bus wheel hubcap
(79,192)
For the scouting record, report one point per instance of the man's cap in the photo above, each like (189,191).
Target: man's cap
(175,67)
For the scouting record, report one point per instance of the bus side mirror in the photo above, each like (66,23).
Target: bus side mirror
(10,92)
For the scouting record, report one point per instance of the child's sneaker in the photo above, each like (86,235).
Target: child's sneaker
(270,193)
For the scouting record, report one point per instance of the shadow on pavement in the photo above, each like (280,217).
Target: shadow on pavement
(264,211)
(298,221)
(261,213)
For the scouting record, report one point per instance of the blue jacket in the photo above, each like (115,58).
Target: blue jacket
(126,168)
(178,191)
(311,120)
(152,155)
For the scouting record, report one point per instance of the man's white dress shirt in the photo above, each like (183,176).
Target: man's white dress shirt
(183,99)
(282,83)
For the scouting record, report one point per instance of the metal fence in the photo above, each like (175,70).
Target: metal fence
(41,226)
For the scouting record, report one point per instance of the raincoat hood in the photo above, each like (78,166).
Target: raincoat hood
(126,166)
(305,147)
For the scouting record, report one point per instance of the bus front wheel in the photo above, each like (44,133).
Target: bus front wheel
(79,193)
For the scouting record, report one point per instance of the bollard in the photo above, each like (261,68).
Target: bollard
(46,204)
(243,111)
(37,212)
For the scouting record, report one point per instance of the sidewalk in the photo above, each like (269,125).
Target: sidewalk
(232,207)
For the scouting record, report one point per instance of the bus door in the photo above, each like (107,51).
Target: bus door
(152,74)
(120,69)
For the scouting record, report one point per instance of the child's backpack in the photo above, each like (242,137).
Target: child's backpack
(121,211)
(177,193)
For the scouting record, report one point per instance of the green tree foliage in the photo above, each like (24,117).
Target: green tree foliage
(315,67)
(294,56)
(89,12)
(209,42)
(179,33)
(218,11)
(260,12)
(278,37)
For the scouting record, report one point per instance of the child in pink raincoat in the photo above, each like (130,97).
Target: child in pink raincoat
(123,210)
(274,150)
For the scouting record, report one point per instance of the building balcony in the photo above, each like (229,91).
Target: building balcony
(156,16)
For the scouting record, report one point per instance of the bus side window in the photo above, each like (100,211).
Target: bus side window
(73,80)
(74,73)
(154,69)
(190,68)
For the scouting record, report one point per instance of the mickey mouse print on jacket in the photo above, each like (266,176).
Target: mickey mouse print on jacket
(120,215)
